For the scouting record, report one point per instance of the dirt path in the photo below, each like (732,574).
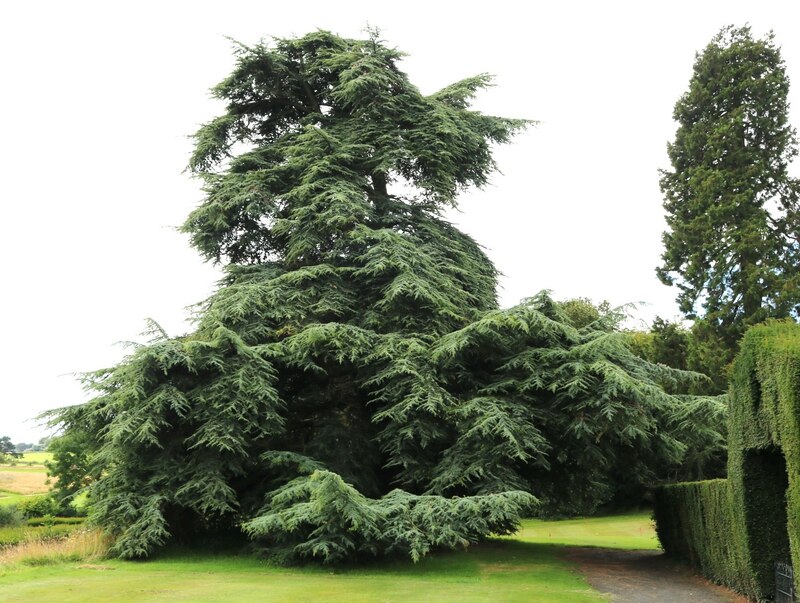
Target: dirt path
(646,577)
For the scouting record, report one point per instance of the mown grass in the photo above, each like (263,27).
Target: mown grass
(503,572)
(624,531)
(529,568)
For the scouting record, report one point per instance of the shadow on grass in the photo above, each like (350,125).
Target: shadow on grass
(472,561)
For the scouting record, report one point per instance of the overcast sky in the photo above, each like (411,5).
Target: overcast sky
(98,99)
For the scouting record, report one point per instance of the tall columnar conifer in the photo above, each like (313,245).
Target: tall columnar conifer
(733,212)
(352,388)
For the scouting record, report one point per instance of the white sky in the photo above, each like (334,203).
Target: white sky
(98,98)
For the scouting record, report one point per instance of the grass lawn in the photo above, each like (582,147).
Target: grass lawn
(626,531)
(528,567)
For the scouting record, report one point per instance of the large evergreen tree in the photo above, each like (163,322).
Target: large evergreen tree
(355,345)
(732,208)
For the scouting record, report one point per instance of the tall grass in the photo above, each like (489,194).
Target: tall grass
(82,545)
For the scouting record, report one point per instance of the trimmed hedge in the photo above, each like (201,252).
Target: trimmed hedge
(54,521)
(695,521)
(734,530)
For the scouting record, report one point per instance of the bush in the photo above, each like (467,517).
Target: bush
(38,506)
(10,516)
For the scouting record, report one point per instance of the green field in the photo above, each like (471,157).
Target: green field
(36,457)
(526,568)
(26,476)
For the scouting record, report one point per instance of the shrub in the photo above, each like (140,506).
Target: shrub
(10,516)
(38,506)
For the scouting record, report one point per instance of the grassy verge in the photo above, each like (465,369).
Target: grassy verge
(12,535)
(526,568)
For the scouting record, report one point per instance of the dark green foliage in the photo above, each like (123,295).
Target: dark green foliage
(355,345)
(709,353)
(732,208)
(765,409)
(701,424)
(5,445)
(696,522)
(762,522)
(10,515)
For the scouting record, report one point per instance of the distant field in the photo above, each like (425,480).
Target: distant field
(526,568)
(36,457)
(26,477)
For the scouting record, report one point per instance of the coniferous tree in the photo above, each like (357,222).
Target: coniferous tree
(355,346)
(732,208)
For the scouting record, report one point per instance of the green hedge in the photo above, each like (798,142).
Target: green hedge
(695,521)
(734,530)
(54,521)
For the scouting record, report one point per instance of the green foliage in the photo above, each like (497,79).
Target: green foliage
(581,312)
(755,514)
(709,353)
(5,445)
(697,349)
(732,208)
(10,516)
(355,344)
(320,516)
(696,522)
(701,423)
(38,506)
(49,520)
(71,465)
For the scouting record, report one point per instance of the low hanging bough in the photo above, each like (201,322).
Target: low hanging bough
(352,388)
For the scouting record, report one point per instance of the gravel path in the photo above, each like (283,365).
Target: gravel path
(646,577)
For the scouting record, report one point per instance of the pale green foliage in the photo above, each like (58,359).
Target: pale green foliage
(320,516)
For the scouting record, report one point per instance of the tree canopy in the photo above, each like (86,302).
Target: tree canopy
(732,208)
(352,387)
